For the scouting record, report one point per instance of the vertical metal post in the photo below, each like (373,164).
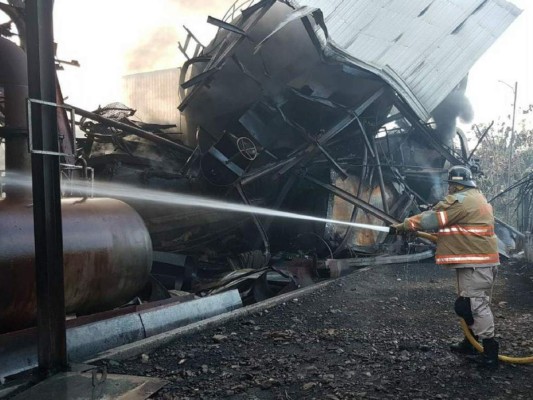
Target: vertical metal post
(52,354)
(511,143)
(380,176)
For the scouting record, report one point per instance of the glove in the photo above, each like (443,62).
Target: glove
(396,229)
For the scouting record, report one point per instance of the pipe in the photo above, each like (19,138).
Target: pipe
(381,181)
(14,80)
(257,222)
(343,266)
(16,15)
(508,359)
(87,337)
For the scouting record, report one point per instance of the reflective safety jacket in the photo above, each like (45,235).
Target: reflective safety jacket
(465,225)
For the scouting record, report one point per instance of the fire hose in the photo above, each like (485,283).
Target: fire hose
(466,331)
(428,236)
(468,334)
(478,347)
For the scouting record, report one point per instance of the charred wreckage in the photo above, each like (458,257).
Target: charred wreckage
(340,110)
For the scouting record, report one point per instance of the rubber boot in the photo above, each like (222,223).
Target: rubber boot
(489,358)
(464,347)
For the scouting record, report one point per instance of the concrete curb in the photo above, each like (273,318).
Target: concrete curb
(150,344)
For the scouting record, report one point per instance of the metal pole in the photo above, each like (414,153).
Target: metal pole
(381,181)
(51,342)
(511,144)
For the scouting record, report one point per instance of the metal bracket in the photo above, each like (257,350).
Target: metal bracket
(30,128)
(225,25)
(89,171)
(200,78)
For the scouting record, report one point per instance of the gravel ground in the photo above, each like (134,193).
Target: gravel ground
(380,333)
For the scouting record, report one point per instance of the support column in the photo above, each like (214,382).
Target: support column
(52,354)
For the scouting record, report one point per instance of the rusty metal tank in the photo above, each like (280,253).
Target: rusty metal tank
(107,258)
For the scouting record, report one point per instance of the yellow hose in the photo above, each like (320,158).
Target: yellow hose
(475,343)
(471,339)
(427,236)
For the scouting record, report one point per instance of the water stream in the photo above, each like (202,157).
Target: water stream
(122,191)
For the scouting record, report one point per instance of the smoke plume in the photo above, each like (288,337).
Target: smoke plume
(155,51)
(455,105)
(159,49)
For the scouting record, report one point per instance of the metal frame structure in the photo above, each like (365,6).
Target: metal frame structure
(54,105)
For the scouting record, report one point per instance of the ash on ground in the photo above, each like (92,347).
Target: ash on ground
(379,333)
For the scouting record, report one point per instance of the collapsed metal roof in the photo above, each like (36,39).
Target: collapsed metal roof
(421,48)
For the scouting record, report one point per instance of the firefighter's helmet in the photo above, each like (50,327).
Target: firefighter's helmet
(461,176)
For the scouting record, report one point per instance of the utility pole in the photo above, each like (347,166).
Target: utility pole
(511,142)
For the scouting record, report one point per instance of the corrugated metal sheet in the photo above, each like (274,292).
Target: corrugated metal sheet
(154,95)
(423,48)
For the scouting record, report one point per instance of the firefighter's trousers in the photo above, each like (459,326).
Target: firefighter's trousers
(476,284)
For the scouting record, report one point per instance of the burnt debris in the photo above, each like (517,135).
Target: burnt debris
(278,111)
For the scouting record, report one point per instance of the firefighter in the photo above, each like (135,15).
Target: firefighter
(467,243)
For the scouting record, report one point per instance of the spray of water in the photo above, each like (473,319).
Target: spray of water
(102,189)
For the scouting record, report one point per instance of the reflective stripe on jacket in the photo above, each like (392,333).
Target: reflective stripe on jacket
(465,225)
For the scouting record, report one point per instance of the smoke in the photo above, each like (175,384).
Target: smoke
(154,51)
(455,105)
(159,49)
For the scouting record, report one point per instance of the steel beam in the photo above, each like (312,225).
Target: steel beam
(353,200)
(257,222)
(313,148)
(225,25)
(51,342)
(381,181)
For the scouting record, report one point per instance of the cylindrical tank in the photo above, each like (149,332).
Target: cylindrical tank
(107,258)
(14,82)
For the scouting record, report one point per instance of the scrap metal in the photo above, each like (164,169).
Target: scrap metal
(284,101)
(290,107)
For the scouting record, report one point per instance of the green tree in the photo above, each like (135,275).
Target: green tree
(494,152)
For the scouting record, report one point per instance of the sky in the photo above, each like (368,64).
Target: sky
(509,60)
(113,38)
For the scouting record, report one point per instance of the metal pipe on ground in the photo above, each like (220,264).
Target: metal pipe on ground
(149,344)
(345,266)
(19,350)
